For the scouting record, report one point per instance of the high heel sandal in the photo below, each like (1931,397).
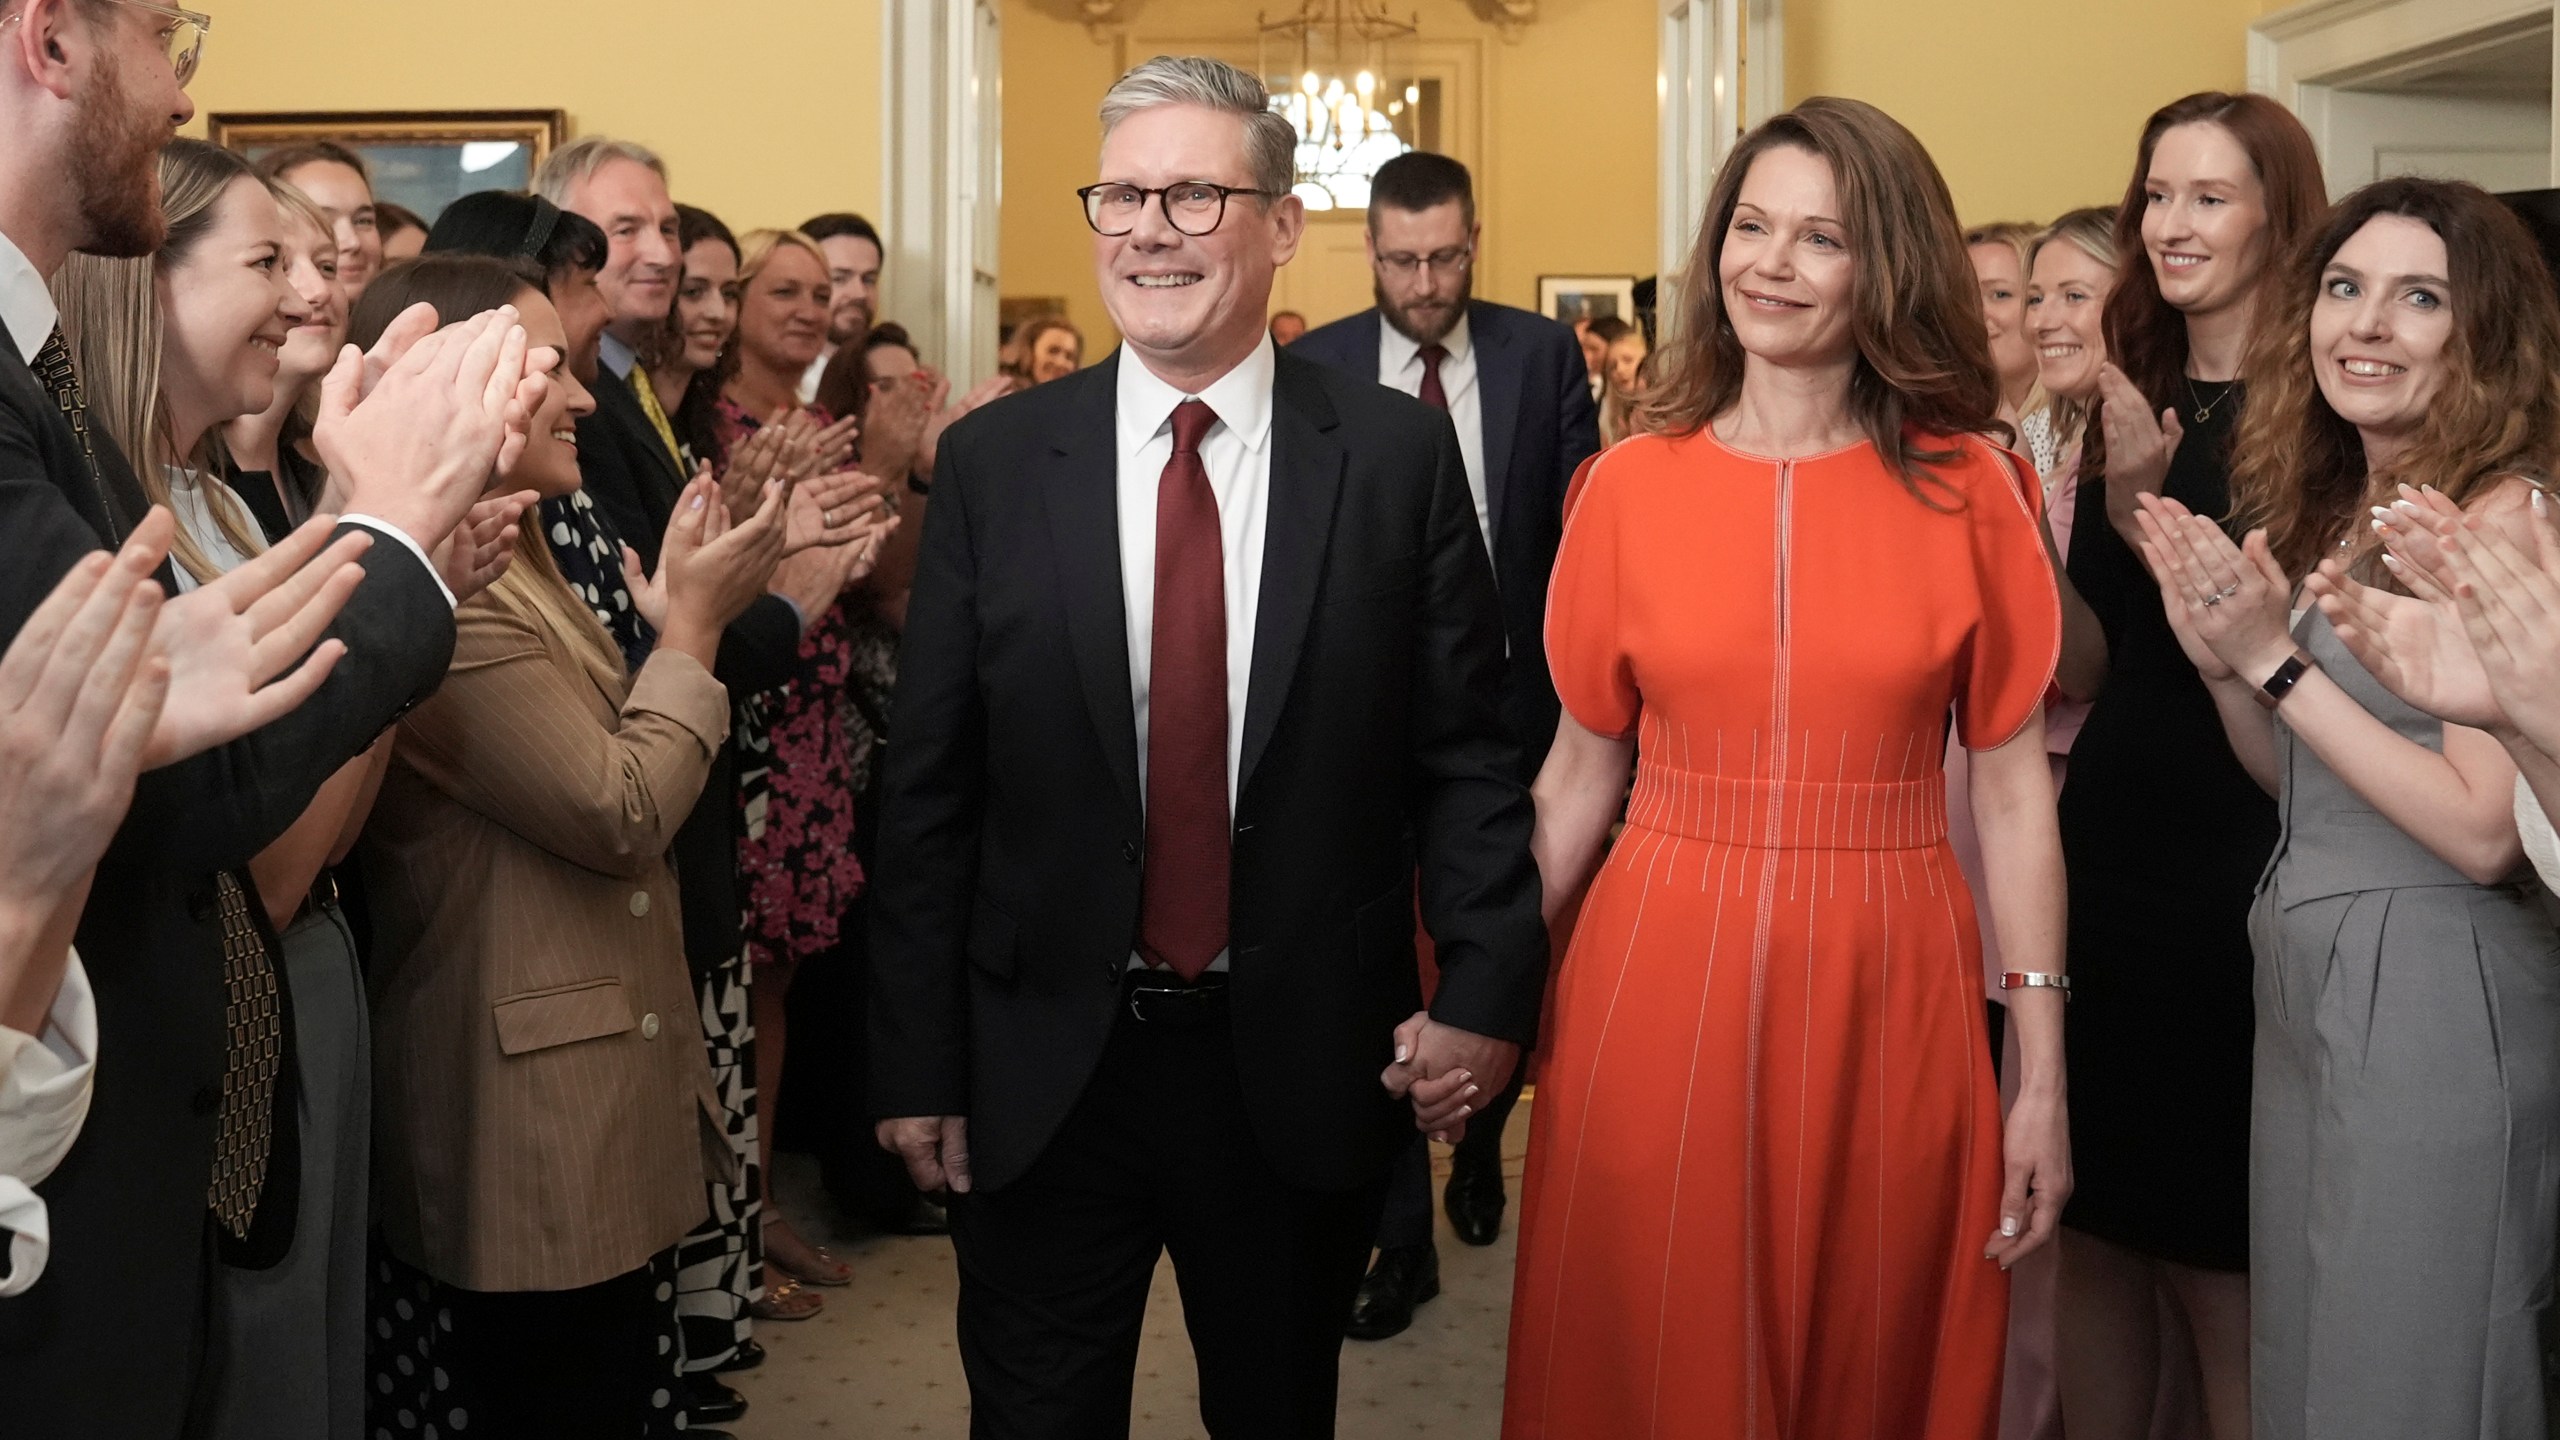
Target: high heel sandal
(828,1270)
(786,1298)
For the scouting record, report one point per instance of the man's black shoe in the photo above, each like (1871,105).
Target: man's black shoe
(708,1402)
(1474,1198)
(1401,1278)
(750,1354)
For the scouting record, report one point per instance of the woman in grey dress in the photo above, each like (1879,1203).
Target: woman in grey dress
(2405,1145)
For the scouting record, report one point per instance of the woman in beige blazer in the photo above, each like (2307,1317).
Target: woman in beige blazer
(542,1101)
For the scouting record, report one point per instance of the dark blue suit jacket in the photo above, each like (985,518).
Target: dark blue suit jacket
(1539,426)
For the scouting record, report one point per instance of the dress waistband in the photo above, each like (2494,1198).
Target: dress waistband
(1791,814)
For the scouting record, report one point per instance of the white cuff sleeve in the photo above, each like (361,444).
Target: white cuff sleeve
(44,1097)
(385,527)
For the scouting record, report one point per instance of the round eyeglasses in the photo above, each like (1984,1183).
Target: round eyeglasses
(1194,207)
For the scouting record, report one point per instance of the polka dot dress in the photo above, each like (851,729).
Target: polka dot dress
(589,554)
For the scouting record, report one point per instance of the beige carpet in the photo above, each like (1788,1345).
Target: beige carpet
(881,1361)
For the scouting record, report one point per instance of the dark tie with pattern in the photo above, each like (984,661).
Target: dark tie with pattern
(1182,908)
(253,1043)
(1432,394)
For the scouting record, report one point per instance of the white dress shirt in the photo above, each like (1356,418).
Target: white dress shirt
(2534,828)
(44,1097)
(1400,368)
(27,308)
(1237,454)
(816,372)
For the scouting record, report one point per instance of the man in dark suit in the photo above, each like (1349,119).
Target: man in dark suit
(111,1344)
(1203,663)
(1513,384)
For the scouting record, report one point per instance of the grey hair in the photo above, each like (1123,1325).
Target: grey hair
(1270,142)
(579,159)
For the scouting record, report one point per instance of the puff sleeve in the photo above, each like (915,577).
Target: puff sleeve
(2017,637)
(1586,649)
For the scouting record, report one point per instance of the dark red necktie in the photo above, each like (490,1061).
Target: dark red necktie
(1182,907)
(1432,394)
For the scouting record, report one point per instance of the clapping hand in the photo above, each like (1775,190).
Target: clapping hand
(480,548)
(2229,603)
(2508,596)
(2414,646)
(995,387)
(2138,448)
(836,509)
(228,641)
(1447,1073)
(415,428)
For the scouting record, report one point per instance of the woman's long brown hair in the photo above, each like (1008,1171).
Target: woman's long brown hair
(2298,469)
(2146,336)
(1924,374)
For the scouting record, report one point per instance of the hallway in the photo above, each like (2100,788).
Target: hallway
(881,1360)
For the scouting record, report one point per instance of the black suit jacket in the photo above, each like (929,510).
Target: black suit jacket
(107,1345)
(626,471)
(1539,426)
(1005,904)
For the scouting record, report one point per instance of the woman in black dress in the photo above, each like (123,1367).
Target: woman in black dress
(2163,832)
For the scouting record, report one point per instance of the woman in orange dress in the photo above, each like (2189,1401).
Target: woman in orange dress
(1770,1194)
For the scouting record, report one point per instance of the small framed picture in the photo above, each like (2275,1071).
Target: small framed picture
(1569,298)
(423,159)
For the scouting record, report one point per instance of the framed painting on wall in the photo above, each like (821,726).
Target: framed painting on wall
(1587,297)
(423,159)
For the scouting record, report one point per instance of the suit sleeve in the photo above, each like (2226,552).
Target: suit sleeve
(932,804)
(1580,433)
(761,648)
(1471,817)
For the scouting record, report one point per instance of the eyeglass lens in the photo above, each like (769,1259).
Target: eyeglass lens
(1194,210)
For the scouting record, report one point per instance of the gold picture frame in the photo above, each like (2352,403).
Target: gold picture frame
(421,159)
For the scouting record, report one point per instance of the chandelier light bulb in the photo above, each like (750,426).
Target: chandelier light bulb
(1310,83)
(1413,94)
(1366,83)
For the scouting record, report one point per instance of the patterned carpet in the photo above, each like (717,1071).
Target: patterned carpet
(881,1361)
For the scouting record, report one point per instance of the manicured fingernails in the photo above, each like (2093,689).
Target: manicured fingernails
(2008,1227)
(1471,1092)
(2541,506)
(1403,1053)
(2392,561)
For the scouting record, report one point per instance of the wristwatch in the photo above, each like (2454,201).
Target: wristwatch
(2272,691)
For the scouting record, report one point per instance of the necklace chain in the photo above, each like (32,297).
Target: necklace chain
(2205,408)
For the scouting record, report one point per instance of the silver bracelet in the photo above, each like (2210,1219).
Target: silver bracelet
(2035,979)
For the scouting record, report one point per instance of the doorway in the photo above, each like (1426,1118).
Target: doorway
(2459,89)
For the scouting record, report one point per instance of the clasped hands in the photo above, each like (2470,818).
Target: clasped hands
(1446,1073)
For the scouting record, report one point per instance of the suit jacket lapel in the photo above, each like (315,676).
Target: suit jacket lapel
(1498,385)
(1084,529)
(1306,479)
(115,503)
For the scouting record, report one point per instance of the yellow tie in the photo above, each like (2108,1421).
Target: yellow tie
(657,414)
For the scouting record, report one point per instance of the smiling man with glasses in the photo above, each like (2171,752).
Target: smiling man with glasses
(1201,653)
(1513,385)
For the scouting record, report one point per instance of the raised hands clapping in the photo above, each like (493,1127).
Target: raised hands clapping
(2139,448)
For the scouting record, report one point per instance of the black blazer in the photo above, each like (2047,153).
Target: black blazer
(1005,904)
(107,1346)
(1539,426)
(626,471)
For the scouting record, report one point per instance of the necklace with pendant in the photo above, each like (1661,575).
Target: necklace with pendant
(2205,408)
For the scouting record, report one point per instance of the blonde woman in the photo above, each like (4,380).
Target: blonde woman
(268,459)
(1999,254)
(173,348)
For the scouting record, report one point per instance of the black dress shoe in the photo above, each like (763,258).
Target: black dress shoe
(1402,1278)
(750,1354)
(1474,1198)
(708,1402)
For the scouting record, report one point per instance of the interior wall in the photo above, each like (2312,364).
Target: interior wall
(765,123)
(1562,142)
(2031,107)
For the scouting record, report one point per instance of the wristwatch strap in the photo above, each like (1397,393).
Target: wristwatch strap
(2271,694)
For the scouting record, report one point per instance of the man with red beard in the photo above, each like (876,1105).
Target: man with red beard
(1513,384)
(187,1141)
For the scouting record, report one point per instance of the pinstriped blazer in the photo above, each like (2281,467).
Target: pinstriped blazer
(540,1089)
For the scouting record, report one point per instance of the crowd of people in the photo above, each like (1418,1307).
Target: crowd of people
(447,798)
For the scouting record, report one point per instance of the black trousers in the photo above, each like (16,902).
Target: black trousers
(1157,1157)
(1407,1218)
(593,1363)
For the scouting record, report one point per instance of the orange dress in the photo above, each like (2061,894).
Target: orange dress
(1767,1148)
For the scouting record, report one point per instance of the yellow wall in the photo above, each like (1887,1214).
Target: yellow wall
(1563,144)
(2030,106)
(766,113)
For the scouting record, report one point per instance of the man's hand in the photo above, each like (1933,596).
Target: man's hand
(1446,1073)
(935,1147)
(226,641)
(478,551)
(418,441)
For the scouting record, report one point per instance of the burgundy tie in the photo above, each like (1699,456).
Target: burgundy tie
(1182,909)
(1432,394)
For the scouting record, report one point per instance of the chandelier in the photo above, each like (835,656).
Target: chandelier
(1346,84)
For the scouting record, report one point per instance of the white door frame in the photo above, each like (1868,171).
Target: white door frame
(1722,70)
(2301,54)
(941,170)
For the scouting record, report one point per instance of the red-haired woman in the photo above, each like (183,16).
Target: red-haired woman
(1771,1193)
(2163,832)
(2405,1139)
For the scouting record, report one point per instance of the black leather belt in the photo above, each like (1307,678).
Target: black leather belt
(1160,997)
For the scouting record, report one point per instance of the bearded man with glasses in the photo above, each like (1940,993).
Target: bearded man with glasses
(190,1131)
(1202,665)
(1513,384)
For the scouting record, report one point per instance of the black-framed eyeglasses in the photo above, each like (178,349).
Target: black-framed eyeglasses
(1453,261)
(1194,207)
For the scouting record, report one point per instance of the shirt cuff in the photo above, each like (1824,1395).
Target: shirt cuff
(44,1083)
(385,527)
